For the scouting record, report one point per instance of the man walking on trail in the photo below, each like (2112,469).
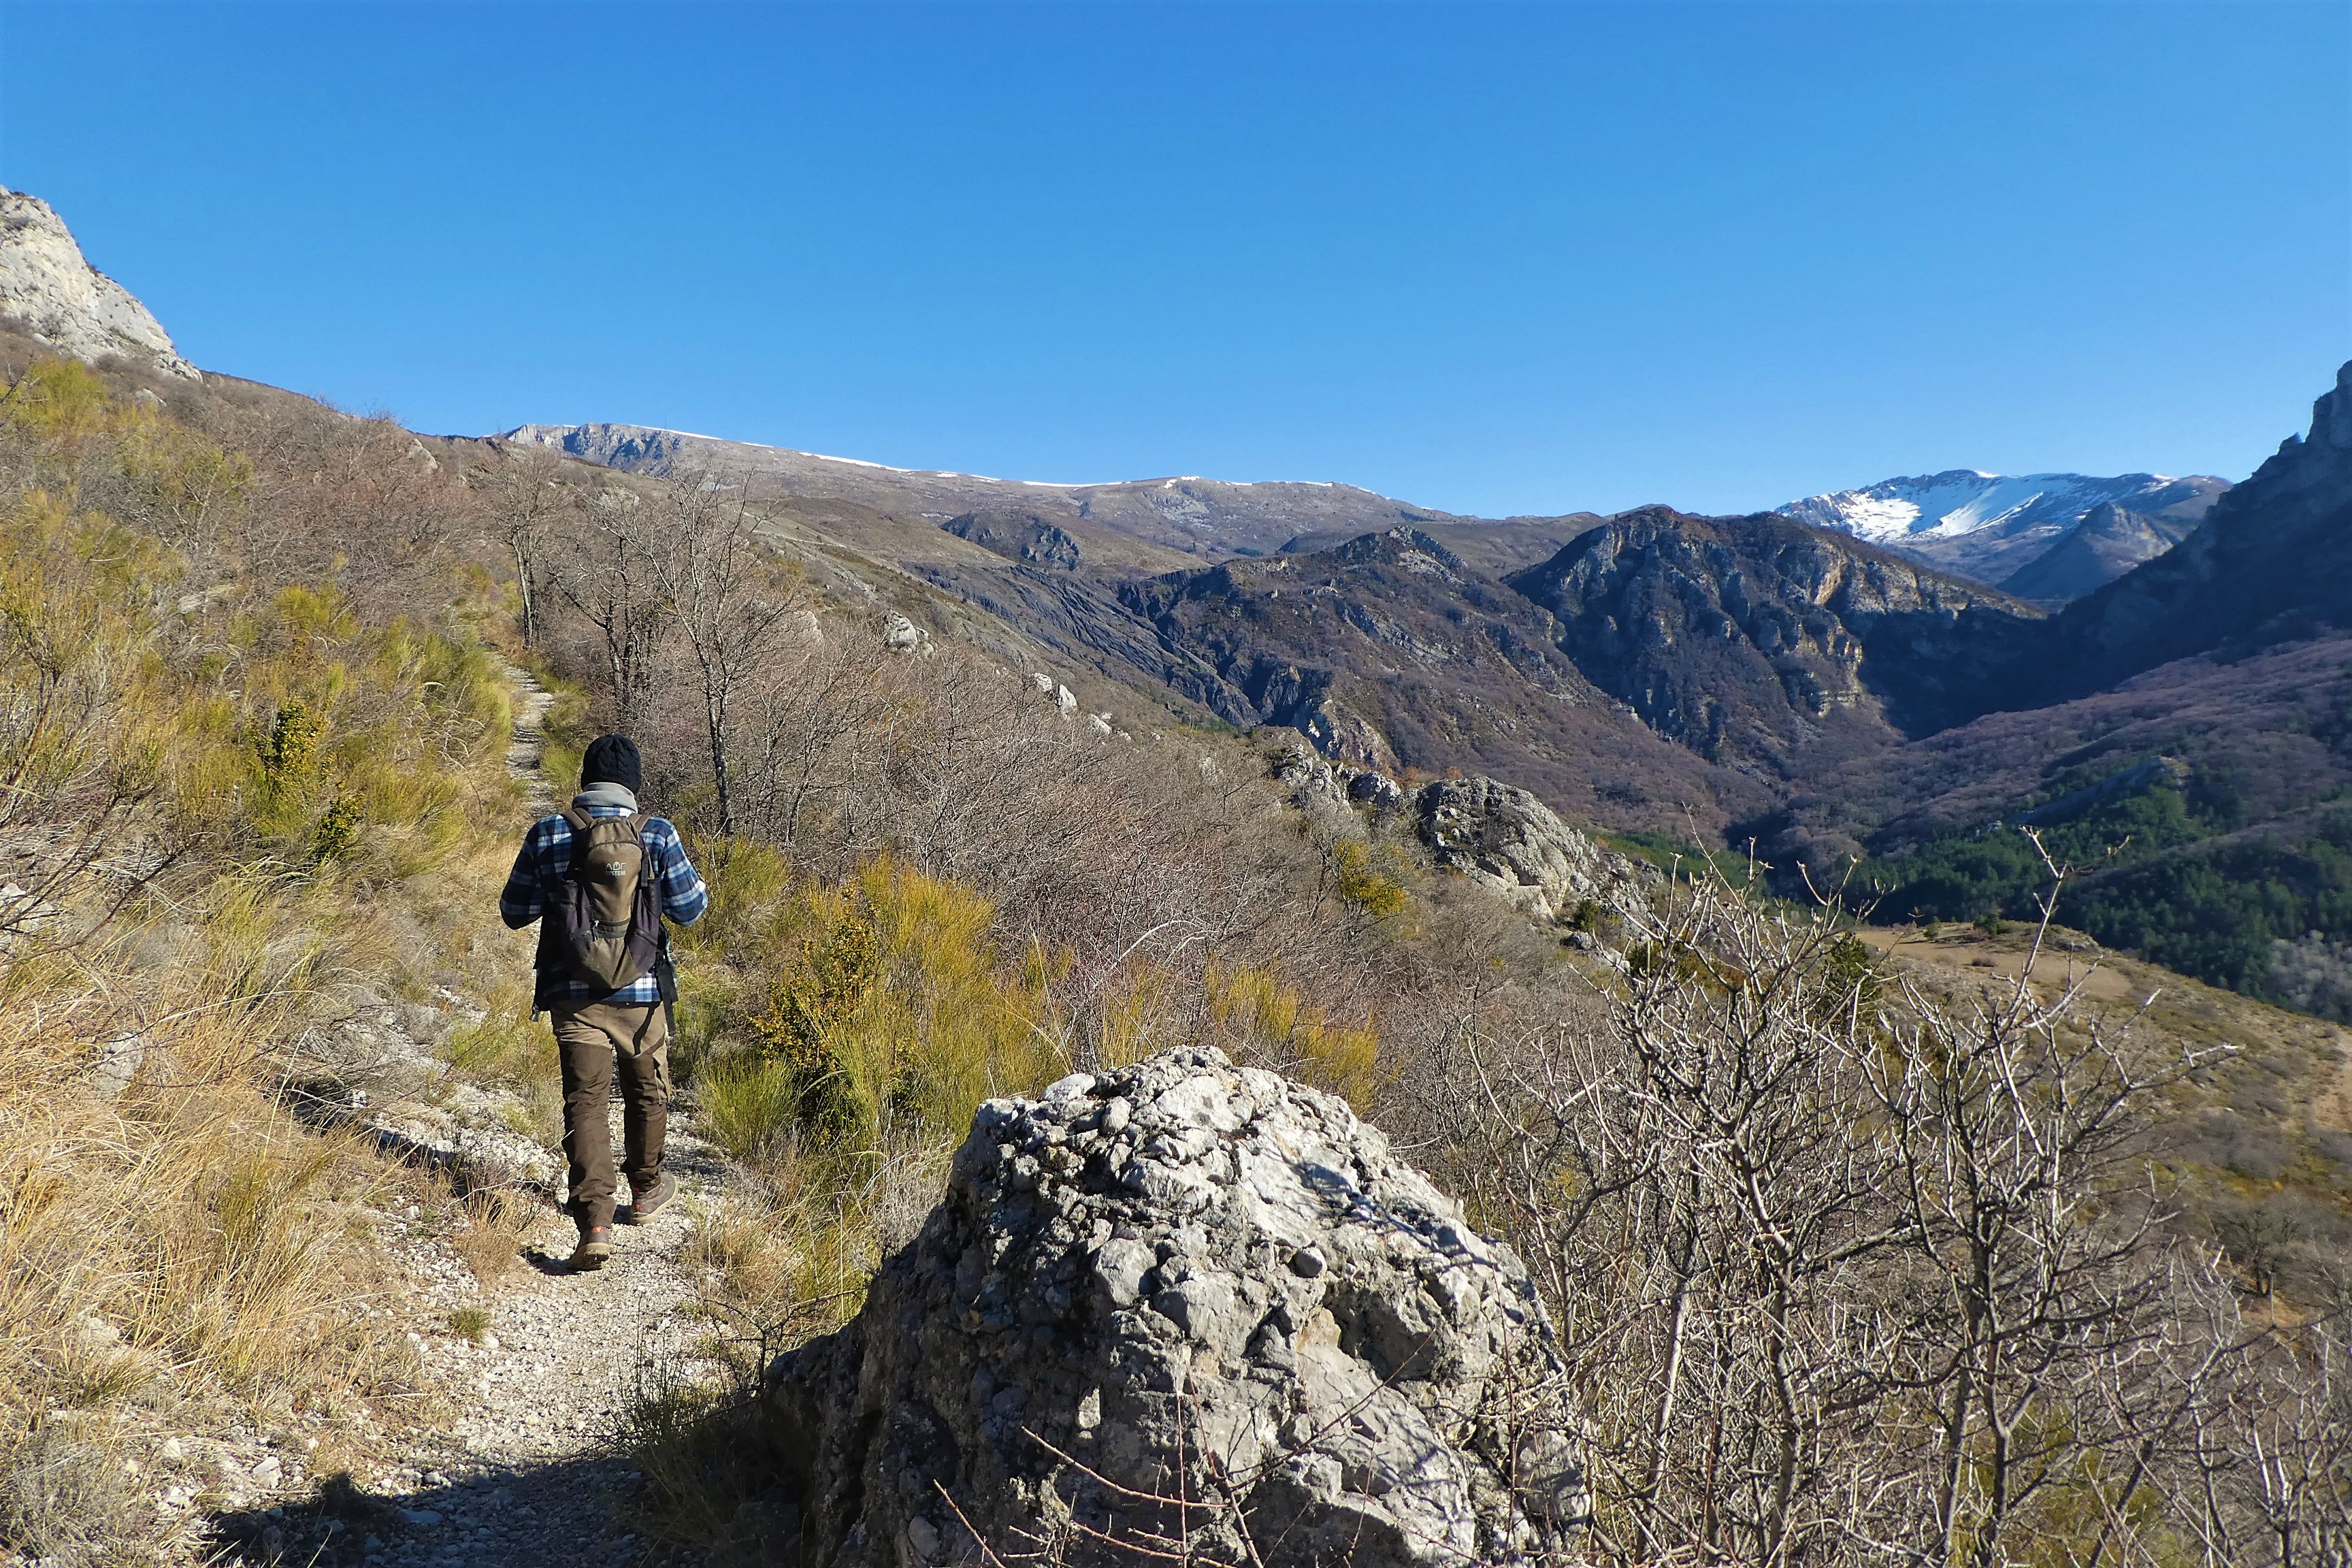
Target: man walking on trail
(600,877)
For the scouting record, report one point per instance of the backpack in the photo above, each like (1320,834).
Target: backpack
(605,927)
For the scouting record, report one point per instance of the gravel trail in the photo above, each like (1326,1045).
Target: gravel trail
(531,1377)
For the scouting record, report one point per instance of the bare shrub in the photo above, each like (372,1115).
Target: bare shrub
(1845,1278)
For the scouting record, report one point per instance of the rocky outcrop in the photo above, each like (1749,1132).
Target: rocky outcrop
(2272,564)
(900,635)
(63,300)
(1502,838)
(1516,847)
(1022,536)
(1182,1306)
(638,449)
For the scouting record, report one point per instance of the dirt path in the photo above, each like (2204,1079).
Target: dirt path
(533,1376)
(528,744)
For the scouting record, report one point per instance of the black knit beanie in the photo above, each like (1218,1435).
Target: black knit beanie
(611,759)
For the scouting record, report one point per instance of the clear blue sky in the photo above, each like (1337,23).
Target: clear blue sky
(1509,258)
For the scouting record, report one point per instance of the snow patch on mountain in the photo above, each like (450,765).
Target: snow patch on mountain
(652,449)
(1960,501)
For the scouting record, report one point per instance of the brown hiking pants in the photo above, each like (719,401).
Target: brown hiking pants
(590,1041)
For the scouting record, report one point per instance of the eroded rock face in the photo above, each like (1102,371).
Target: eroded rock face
(1502,838)
(1183,1280)
(1515,847)
(1742,636)
(65,301)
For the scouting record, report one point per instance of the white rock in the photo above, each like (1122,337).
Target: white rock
(900,635)
(67,303)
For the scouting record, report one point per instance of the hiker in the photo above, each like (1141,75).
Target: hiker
(605,976)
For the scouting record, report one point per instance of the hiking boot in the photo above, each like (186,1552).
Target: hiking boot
(595,1246)
(650,1199)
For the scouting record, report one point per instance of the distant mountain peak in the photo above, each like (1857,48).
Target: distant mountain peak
(1963,500)
(1186,513)
(1995,527)
(49,287)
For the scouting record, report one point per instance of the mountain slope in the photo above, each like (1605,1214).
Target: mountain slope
(1188,516)
(2271,564)
(1992,526)
(1392,650)
(2109,542)
(1753,639)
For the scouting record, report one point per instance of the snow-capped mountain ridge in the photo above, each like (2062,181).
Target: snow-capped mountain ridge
(1991,527)
(1962,500)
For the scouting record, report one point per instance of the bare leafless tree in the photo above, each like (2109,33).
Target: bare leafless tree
(1852,1271)
(603,573)
(730,601)
(531,502)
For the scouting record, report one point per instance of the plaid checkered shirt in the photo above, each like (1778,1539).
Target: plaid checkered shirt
(545,861)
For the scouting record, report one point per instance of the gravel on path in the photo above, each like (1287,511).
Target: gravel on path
(524,1467)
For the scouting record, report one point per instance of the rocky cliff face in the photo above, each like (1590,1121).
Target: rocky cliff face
(1022,536)
(1390,650)
(1183,1308)
(1748,638)
(2271,564)
(67,303)
(634,448)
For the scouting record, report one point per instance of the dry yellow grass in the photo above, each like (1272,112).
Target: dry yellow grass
(225,818)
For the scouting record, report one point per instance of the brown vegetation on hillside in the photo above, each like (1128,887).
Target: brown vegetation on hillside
(246,729)
(1848,1267)
(1853,1269)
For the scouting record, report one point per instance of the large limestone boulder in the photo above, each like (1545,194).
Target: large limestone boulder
(65,301)
(1184,1308)
(1513,845)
